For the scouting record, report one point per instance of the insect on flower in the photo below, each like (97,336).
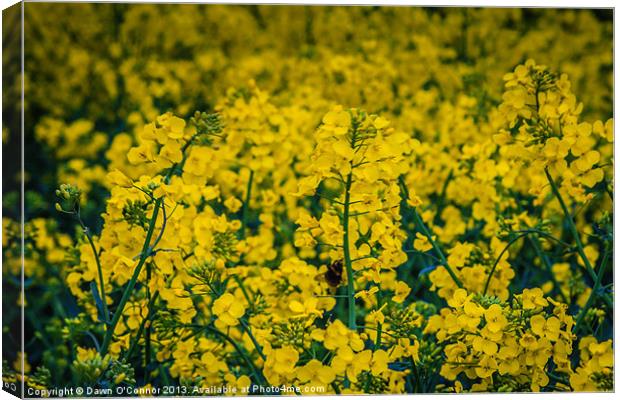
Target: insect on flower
(333,275)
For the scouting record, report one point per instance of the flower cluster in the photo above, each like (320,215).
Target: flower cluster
(364,202)
(504,346)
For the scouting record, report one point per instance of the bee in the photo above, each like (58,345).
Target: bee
(333,275)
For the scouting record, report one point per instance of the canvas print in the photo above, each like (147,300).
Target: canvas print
(306,200)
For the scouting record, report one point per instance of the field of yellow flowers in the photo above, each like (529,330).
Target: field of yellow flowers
(311,200)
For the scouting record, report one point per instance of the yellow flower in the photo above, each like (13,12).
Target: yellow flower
(338,336)
(592,177)
(496,321)
(376,316)
(285,360)
(401,292)
(228,310)
(177,126)
(549,328)
(314,373)
(331,227)
(481,344)
(308,307)
(459,298)
(421,243)
(587,160)
(556,149)
(413,200)
(486,367)
(171,151)
(140,154)
(379,363)
(116,177)
(365,294)
(233,204)
(605,131)
(533,298)
(337,117)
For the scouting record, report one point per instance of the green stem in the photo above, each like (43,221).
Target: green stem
(539,252)
(164,375)
(426,232)
(547,264)
(132,282)
(136,339)
(347,254)
(247,360)
(498,259)
(571,226)
(106,313)
(372,328)
(546,236)
(419,222)
(243,290)
(575,233)
(106,317)
(147,334)
(258,347)
(593,293)
(245,326)
(558,379)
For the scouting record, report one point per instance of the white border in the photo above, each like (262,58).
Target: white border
(453,3)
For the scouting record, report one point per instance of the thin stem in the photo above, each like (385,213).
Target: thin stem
(106,316)
(593,293)
(243,289)
(258,347)
(423,254)
(420,223)
(89,334)
(498,259)
(238,348)
(245,326)
(362,258)
(558,378)
(575,233)
(545,235)
(149,314)
(372,328)
(147,335)
(163,225)
(571,226)
(547,264)
(416,374)
(426,232)
(336,246)
(347,255)
(132,282)
(331,200)
(357,214)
